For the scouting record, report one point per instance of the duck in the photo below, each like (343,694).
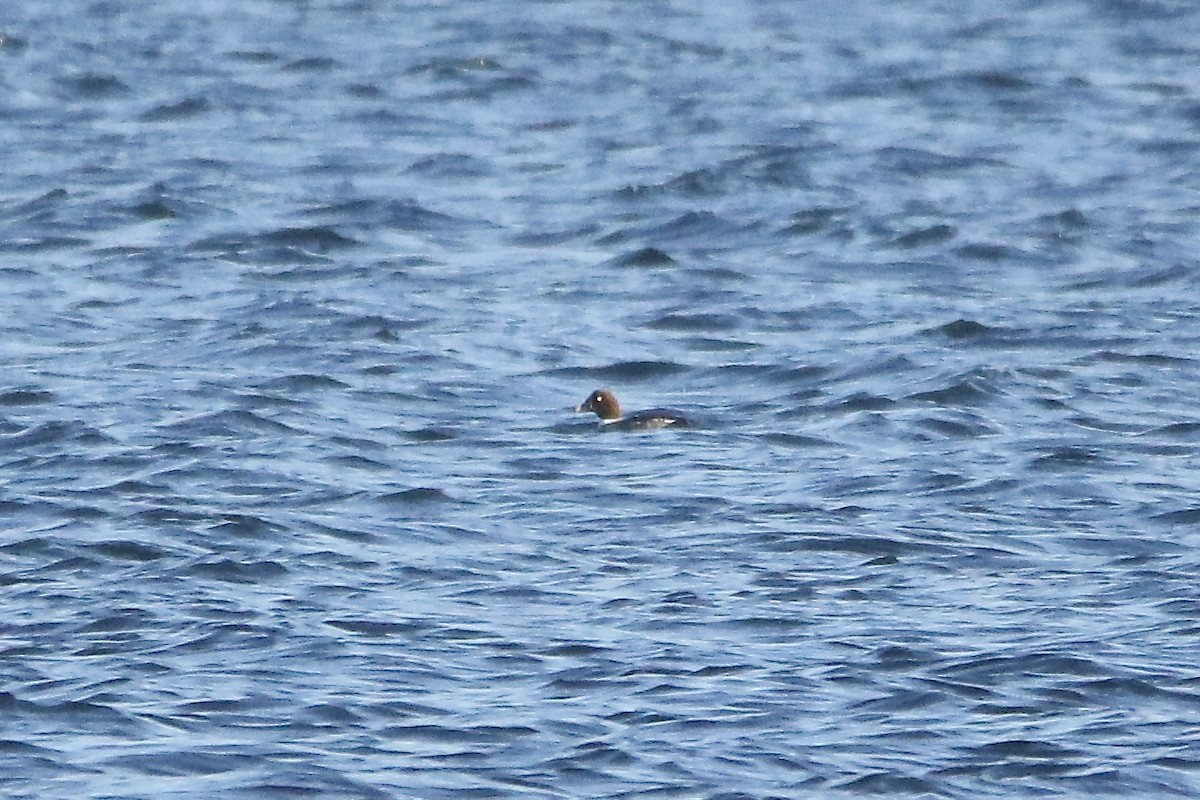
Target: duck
(603,403)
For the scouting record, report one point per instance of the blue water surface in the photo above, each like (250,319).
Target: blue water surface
(297,296)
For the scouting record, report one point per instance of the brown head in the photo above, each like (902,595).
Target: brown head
(602,403)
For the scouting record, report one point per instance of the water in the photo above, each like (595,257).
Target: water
(296,295)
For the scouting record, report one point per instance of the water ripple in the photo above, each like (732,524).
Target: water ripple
(297,300)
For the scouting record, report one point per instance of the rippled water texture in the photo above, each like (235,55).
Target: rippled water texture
(296,296)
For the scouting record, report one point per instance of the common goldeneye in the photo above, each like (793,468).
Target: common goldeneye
(604,404)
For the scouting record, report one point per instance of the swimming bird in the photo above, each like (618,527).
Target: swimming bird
(603,403)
